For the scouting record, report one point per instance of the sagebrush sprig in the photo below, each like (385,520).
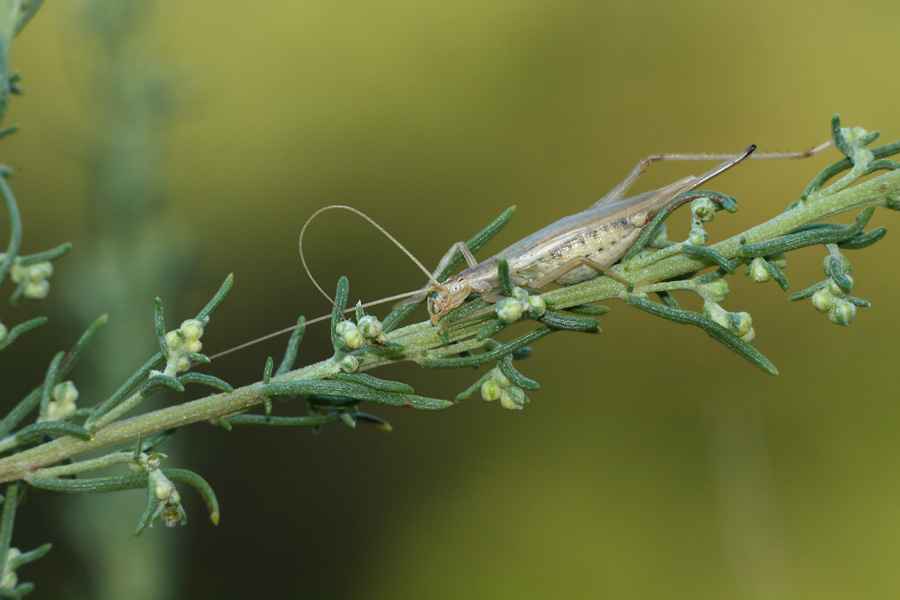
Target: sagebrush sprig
(44,453)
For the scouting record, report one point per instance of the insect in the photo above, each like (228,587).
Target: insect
(572,249)
(583,245)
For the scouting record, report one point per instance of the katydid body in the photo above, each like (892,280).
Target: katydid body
(575,248)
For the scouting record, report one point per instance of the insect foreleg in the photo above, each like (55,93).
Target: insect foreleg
(466,254)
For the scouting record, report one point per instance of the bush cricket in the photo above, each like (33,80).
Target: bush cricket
(573,249)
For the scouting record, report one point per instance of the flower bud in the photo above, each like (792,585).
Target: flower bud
(369,327)
(758,271)
(822,300)
(842,312)
(509,310)
(715,291)
(703,209)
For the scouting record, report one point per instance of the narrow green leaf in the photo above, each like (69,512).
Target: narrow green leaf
(569,322)
(506,367)
(303,421)
(12,209)
(374,382)
(712,328)
(290,354)
(160,322)
(208,380)
(46,255)
(709,254)
(7,519)
(200,485)
(217,299)
(57,428)
(487,357)
(19,329)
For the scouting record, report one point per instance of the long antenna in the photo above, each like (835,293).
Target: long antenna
(321,291)
(377,226)
(311,321)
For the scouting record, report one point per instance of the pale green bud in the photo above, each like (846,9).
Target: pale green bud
(835,289)
(509,310)
(740,323)
(10,579)
(162,487)
(501,379)
(17,272)
(65,392)
(697,237)
(717,314)
(513,398)
(537,306)
(349,364)
(758,271)
(174,340)
(842,312)
(39,271)
(716,291)
(703,209)
(369,327)
(779,260)
(192,329)
(520,294)
(822,300)
(36,290)
(350,335)
(491,390)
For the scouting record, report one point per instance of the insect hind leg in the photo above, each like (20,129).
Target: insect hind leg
(618,192)
(574,263)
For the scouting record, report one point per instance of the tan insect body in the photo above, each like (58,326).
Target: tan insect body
(572,249)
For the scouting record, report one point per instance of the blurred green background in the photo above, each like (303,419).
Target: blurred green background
(175,142)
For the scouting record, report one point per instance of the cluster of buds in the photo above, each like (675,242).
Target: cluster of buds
(759,273)
(62,405)
(183,343)
(511,309)
(739,324)
(703,210)
(165,498)
(831,299)
(350,336)
(33,278)
(355,336)
(168,500)
(498,387)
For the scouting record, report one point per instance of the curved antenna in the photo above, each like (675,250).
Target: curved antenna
(323,292)
(379,228)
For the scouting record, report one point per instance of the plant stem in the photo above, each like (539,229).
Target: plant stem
(419,340)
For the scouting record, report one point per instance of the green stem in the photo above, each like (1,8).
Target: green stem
(420,341)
